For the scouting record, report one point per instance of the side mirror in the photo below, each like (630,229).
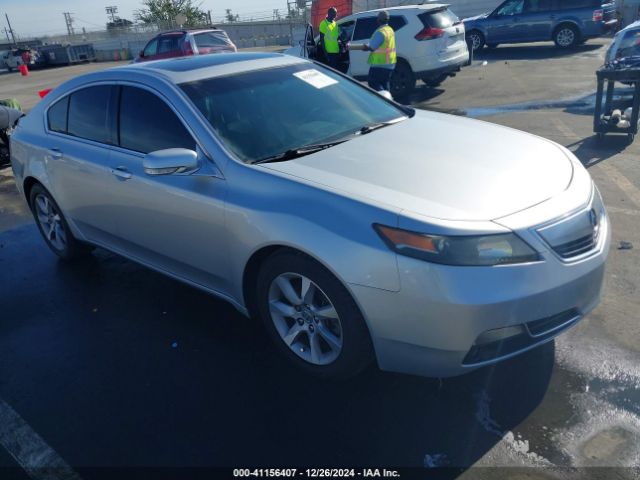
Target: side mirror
(170,161)
(141,53)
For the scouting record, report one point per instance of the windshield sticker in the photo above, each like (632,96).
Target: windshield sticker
(315,78)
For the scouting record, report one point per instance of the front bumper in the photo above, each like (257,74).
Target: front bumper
(444,319)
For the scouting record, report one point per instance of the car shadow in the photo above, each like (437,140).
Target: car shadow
(532,52)
(192,382)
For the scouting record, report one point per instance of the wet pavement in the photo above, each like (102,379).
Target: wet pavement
(115,365)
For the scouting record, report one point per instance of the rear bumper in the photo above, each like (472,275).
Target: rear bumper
(446,321)
(446,69)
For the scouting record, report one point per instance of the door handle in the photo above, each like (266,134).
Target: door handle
(121,173)
(54,153)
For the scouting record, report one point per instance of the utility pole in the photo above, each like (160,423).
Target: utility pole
(69,21)
(10,29)
(6,32)
(112,10)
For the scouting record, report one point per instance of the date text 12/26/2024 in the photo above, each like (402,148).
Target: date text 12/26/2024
(315,473)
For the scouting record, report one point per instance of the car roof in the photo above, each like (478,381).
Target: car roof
(192,31)
(197,67)
(425,7)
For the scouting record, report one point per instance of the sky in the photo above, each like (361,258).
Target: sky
(44,17)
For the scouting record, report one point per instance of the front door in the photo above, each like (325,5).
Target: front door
(507,23)
(172,222)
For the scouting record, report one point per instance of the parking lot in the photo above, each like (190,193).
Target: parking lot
(108,364)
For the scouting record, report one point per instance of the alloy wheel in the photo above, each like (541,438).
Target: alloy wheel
(566,37)
(305,318)
(50,222)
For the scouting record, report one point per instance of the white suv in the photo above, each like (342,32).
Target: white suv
(430,41)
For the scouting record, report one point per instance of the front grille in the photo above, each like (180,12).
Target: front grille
(577,247)
(579,234)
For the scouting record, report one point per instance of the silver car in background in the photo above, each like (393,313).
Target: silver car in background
(355,228)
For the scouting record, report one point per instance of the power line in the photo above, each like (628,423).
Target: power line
(112,10)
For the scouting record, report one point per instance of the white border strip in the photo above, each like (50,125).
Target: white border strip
(28,448)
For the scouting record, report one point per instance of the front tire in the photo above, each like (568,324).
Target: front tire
(53,226)
(311,317)
(475,40)
(403,80)
(566,36)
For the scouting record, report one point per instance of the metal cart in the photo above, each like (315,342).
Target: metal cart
(610,74)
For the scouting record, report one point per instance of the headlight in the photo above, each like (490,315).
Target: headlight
(481,250)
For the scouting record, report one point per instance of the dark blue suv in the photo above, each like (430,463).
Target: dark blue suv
(566,22)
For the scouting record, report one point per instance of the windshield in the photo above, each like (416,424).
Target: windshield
(264,113)
(629,45)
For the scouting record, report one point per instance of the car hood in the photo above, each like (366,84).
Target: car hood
(482,16)
(441,166)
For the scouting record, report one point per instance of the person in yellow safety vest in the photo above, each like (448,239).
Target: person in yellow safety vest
(383,58)
(329,34)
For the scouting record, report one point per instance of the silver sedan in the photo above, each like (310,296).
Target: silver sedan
(356,229)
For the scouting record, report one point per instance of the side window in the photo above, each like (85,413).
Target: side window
(365,28)
(346,30)
(57,116)
(148,124)
(152,48)
(513,7)
(537,6)
(89,114)
(168,44)
(397,22)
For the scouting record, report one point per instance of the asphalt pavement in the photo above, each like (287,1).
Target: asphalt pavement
(112,365)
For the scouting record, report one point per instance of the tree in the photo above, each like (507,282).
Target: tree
(118,24)
(165,12)
(230,16)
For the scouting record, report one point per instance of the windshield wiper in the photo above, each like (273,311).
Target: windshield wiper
(298,152)
(375,126)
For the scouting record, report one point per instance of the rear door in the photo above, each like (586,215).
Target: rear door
(173,222)
(365,26)
(540,18)
(443,31)
(80,132)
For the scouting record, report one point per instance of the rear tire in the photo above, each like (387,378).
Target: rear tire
(566,36)
(435,81)
(403,80)
(53,226)
(311,317)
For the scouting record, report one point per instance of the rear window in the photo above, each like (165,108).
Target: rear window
(439,19)
(57,116)
(211,39)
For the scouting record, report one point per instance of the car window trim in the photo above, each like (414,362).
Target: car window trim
(153,91)
(117,83)
(68,94)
